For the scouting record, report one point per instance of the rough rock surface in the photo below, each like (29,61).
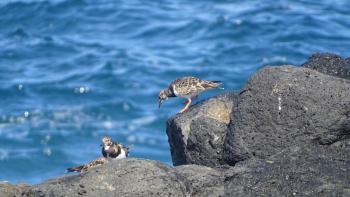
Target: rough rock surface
(135,177)
(286,105)
(329,63)
(310,170)
(130,177)
(201,180)
(7,189)
(197,136)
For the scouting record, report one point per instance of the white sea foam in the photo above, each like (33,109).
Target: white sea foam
(81,90)
(107,124)
(126,106)
(47,151)
(266,60)
(131,139)
(145,120)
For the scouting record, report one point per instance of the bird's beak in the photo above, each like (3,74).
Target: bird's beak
(160,101)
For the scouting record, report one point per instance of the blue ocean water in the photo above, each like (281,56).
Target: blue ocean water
(72,71)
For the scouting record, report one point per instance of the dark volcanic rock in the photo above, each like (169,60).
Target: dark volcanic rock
(328,63)
(307,170)
(283,106)
(197,136)
(201,180)
(296,171)
(132,177)
(135,177)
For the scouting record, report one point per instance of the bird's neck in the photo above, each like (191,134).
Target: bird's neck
(107,148)
(170,92)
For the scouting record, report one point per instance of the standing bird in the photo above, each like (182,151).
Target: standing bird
(113,150)
(186,87)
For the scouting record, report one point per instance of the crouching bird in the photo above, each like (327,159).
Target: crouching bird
(110,150)
(113,150)
(186,87)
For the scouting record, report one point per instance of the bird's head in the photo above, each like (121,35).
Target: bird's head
(106,141)
(163,96)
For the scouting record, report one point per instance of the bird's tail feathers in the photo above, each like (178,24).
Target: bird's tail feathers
(219,82)
(216,84)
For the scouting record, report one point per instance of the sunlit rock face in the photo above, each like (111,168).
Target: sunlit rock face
(197,135)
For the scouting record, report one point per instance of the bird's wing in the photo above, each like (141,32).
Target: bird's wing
(188,85)
(209,84)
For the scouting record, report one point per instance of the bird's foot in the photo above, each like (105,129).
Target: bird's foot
(183,110)
(187,105)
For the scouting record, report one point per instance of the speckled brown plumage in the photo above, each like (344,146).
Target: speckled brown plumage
(86,167)
(189,87)
(186,87)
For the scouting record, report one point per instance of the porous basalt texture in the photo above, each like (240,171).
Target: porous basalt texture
(307,170)
(330,64)
(7,189)
(134,177)
(286,105)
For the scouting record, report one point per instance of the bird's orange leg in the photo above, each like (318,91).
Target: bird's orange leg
(186,106)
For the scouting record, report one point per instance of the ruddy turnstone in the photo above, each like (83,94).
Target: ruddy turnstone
(113,150)
(110,151)
(86,167)
(186,87)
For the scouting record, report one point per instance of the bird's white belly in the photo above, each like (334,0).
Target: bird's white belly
(175,92)
(122,155)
